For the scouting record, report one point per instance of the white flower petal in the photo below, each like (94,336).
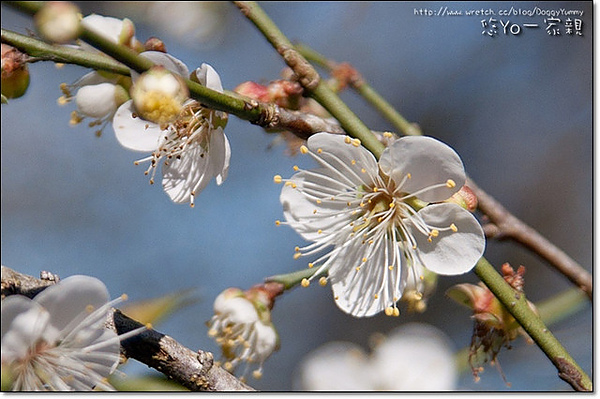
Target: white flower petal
(168,61)
(451,252)
(266,341)
(108,27)
(361,278)
(192,172)
(220,154)
(354,162)
(24,323)
(96,101)
(428,161)
(208,77)
(72,299)
(238,310)
(306,215)
(135,133)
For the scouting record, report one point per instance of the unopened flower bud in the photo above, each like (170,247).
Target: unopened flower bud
(465,198)
(158,95)
(253,90)
(58,21)
(155,44)
(15,74)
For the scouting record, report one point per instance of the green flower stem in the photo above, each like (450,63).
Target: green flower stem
(517,305)
(309,78)
(367,92)
(291,280)
(41,51)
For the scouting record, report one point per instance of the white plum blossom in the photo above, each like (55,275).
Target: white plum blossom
(192,146)
(243,330)
(413,357)
(57,341)
(363,212)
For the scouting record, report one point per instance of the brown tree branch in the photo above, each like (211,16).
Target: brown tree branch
(506,225)
(193,370)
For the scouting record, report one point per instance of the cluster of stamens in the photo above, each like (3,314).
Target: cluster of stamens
(192,127)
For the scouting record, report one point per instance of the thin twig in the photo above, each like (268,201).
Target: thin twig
(193,370)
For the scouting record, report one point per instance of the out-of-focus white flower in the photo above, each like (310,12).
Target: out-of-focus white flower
(58,21)
(57,341)
(414,357)
(335,366)
(380,218)
(192,146)
(242,328)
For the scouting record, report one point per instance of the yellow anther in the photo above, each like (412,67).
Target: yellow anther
(348,203)
(294,185)
(376,296)
(356,142)
(364,260)
(62,100)
(148,326)
(335,298)
(363,170)
(89,308)
(277,223)
(453,227)
(297,249)
(422,278)
(320,150)
(375,189)
(75,118)
(408,176)
(124,297)
(319,231)
(392,204)
(358,268)
(314,211)
(396,312)
(428,240)
(391,267)
(303,150)
(305,283)
(347,140)
(311,265)
(388,135)
(257,374)
(323,281)
(389,311)
(379,219)
(353,162)
(288,183)
(297,255)
(277,179)
(370,242)
(434,233)
(319,201)
(418,295)
(450,183)
(296,168)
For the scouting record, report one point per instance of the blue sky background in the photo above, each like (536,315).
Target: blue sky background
(517,108)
